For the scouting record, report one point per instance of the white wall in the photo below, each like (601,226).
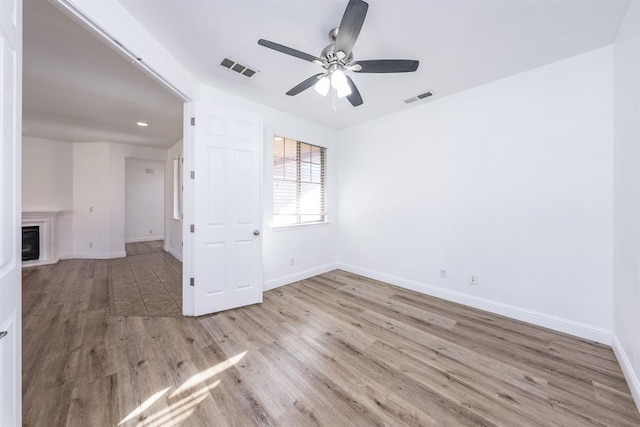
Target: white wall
(91,200)
(626,248)
(47,185)
(87,182)
(510,181)
(99,196)
(312,247)
(173,227)
(144,200)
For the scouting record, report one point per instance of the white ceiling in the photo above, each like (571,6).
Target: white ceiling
(77,89)
(459,43)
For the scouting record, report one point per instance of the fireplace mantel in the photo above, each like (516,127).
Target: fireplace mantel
(46,221)
(38,215)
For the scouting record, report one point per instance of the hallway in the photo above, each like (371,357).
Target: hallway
(148,282)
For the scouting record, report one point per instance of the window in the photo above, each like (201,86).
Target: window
(298,182)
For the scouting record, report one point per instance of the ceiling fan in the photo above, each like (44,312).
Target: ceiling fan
(337,58)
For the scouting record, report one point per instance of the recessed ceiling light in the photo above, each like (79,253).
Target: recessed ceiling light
(143,124)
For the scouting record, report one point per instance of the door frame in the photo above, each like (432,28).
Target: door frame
(11,217)
(105,21)
(110,22)
(189,134)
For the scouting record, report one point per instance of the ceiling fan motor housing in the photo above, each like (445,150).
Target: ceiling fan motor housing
(329,56)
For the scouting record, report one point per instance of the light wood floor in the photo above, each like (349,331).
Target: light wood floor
(335,350)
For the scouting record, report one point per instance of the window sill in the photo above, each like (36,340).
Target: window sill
(299,226)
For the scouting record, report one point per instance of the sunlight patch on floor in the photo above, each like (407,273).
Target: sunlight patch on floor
(203,376)
(145,405)
(181,409)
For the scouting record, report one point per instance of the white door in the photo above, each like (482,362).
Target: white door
(226,201)
(10,208)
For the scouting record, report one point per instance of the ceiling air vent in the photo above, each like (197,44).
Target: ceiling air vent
(419,97)
(238,68)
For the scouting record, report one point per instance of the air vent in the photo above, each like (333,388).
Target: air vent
(238,68)
(419,97)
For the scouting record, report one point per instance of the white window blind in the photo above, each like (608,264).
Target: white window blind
(298,182)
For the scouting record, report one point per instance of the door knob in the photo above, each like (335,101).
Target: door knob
(3,334)
(256,232)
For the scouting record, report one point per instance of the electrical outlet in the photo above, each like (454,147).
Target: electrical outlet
(90,208)
(443,273)
(473,279)
(292,261)
(150,231)
(91,244)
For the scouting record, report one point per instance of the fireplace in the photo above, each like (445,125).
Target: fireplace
(30,243)
(39,249)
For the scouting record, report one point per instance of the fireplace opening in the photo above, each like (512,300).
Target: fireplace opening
(30,243)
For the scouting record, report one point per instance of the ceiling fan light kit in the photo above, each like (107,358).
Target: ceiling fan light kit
(337,58)
(323,85)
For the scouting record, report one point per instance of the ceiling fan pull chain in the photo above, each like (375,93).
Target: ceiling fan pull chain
(333,99)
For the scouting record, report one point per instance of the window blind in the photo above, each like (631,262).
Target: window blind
(298,182)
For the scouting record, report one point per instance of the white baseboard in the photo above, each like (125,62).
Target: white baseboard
(100,255)
(632,377)
(176,254)
(37,262)
(143,239)
(118,254)
(579,329)
(296,277)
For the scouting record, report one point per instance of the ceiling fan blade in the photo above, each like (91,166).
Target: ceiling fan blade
(350,27)
(304,85)
(355,99)
(386,66)
(288,50)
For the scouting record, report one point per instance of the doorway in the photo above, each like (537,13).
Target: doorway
(148,281)
(144,201)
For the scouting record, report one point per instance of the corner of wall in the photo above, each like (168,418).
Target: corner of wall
(626,205)
(296,277)
(627,368)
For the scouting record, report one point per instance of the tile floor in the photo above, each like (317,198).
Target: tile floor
(148,282)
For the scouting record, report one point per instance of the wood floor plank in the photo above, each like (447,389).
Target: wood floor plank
(392,409)
(94,403)
(336,349)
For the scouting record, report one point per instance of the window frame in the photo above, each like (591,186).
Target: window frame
(299,184)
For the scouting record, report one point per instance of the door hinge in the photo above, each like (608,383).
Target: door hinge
(193,174)
(193,121)
(192,228)
(192,281)
(182,244)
